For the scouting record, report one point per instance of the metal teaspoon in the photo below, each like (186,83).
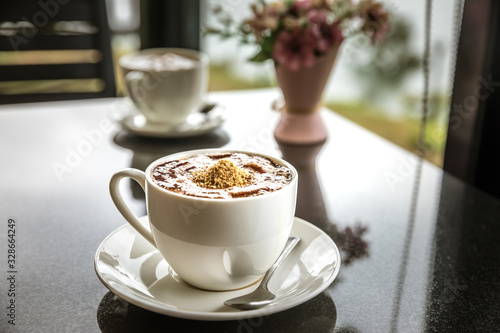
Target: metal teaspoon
(262,296)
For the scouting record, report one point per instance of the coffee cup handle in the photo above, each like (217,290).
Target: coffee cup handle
(114,190)
(134,80)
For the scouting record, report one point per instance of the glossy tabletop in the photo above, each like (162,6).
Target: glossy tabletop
(420,248)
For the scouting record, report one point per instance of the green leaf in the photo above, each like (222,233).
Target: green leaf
(259,57)
(267,45)
(209,31)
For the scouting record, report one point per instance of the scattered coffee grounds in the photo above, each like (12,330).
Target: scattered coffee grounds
(222,174)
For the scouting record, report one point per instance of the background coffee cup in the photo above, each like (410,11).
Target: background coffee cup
(165,92)
(213,244)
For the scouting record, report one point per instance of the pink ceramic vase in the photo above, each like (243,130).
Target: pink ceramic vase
(300,121)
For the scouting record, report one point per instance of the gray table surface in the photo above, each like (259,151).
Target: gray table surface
(415,259)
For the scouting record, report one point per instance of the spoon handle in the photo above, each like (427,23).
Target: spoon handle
(290,244)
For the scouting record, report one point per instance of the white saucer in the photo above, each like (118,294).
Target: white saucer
(134,270)
(196,124)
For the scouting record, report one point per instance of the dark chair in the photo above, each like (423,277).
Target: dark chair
(172,23)
(54,50)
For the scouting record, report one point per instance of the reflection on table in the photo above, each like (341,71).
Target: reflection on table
(415,258)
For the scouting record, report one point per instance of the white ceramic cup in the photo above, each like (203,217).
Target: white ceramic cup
(163,92)
(213,244)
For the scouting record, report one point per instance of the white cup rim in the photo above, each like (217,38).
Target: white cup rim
(189,153)
(200,56)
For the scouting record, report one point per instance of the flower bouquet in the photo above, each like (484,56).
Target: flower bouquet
(302,38)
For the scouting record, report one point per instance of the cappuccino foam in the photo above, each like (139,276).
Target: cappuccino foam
(160,62)
(180,176)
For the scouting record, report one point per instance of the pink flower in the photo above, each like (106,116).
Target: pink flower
(294,32)
(329,34)
(323,4)
(376,19)
(316,16)
(264,19)
(295,48)
(379,35)
(301,6)
(334,33)
(290,22)
(321,42)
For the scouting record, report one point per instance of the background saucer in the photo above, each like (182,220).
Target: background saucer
(197,123)
(134,270)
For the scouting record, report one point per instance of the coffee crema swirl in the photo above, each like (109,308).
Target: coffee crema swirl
(177,176)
